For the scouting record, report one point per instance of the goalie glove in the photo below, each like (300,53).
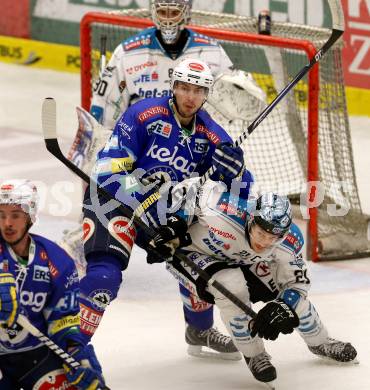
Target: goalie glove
(170,237)
(228,161)
(9,306)
(274,318)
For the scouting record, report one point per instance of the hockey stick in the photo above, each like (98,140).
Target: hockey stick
(52,145)
(103,52)
(336,33)
(65,356)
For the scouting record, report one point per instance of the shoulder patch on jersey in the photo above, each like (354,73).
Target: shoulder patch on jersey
(56,257)
(234,207)
(153,111)
(197,39)
(294,240)
(212,136)
(140,40)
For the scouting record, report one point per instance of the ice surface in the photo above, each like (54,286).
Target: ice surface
(141,339)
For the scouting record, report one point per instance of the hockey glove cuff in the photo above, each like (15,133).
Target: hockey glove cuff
(9,303)
(88,376)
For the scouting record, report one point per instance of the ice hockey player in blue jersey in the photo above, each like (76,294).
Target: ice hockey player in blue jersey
(254,250)
(38,280)
(163,139)
(141,67)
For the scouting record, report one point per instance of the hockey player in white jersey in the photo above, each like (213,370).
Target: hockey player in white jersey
(255,251)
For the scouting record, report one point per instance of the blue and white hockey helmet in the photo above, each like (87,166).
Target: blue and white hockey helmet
(20,192)
(193,71)
(170,17)
(273,213)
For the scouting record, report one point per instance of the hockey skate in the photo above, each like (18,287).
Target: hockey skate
(222,346)
(262,369)
(335,350)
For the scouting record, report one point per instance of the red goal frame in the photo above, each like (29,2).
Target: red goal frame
(266,40)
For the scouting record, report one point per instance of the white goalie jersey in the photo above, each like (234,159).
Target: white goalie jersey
(140,68)
(217,228)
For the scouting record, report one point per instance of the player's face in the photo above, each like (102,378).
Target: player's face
(260,239)
(189,98)
(13,223)
(169,14)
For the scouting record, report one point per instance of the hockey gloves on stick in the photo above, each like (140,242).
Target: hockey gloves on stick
(88,376)
(274,318)
(228,161)
(170,237)
(8,300)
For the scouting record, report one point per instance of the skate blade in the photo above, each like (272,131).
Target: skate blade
(270,385)
(335,362)
(201,352)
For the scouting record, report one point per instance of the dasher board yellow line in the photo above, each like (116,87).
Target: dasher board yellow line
(40,54)
(66,58)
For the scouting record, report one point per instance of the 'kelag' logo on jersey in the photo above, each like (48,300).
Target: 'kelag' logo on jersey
(179,162)
(160,127)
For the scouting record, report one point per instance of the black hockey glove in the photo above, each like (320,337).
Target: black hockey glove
(170,237)
(274,318)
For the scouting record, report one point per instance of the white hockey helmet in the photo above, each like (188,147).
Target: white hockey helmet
(273,213)
(20,192)
(170,17)
(193,71)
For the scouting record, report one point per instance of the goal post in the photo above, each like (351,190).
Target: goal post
(303,147)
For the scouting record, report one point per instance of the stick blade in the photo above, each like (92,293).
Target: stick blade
(49,118)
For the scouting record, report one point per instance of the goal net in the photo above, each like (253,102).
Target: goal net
(303,147)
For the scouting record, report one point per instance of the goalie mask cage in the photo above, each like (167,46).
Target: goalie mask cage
(303,147)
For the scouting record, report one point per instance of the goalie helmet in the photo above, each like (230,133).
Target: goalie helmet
(193,71)
(170,17)
(273,213)
(20,192)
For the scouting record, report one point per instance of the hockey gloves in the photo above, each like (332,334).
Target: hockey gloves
(88,376)
(228,161)
(274,318)
(170,237)
(8,300)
